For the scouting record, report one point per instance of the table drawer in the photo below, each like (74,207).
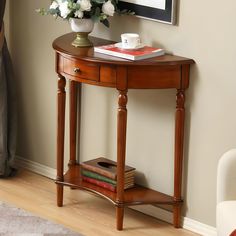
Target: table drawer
(84,70)
(154,77)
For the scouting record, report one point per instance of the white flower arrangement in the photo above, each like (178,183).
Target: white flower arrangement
(97,10)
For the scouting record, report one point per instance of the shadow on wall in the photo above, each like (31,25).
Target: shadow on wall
(194,75)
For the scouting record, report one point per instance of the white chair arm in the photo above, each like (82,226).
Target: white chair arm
(225,218)
(226,177)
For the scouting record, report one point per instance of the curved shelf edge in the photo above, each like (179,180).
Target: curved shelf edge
(134,196)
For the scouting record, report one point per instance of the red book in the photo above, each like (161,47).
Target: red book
(100,183)
(137,54)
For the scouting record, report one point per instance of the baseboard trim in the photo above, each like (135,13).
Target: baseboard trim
(187,223)
(198,227)
(35,167)
(155,212)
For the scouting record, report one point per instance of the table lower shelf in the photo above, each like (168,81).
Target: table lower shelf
(134,196)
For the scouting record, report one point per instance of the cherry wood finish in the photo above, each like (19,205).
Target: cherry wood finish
(134,196)
(83,65)
(73,121)
(60,136)
(121,148)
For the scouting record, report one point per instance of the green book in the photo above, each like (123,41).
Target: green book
(97,176)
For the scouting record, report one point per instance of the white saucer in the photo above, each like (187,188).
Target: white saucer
(119,45)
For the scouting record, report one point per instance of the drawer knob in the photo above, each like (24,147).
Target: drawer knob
(77,70)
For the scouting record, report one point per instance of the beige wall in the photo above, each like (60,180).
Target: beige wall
(205,32)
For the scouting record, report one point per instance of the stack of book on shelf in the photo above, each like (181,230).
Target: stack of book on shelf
(103,172)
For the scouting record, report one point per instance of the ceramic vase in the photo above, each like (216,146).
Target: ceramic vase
(82,27)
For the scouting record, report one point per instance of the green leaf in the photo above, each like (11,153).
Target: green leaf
(106,23)
(97,11)
(42,11)
(95,18)
(77,7)
(99,1)
(53,11)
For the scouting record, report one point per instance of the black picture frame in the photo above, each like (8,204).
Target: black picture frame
(167,15)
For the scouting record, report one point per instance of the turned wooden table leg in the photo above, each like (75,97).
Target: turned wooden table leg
(73,121)
(119,217)
(179,141)
(121,150)
(61,96)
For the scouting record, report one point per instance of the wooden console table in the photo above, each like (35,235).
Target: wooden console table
(82,65)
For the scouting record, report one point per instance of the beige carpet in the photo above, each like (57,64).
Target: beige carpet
(18,222)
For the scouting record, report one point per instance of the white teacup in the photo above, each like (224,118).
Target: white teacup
(130,40)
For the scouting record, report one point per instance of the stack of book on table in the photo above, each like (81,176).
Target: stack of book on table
(141,53)
(103,172)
